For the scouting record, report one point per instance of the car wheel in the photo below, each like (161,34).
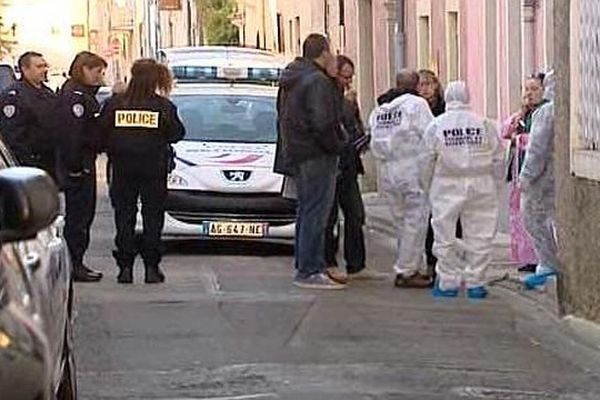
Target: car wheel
(67,389)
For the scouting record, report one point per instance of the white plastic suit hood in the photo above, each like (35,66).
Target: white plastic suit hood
(550,86)
(457,95)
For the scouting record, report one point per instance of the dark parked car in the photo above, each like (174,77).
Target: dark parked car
(36,351)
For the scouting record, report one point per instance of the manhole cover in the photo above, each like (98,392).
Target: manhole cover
(503,394)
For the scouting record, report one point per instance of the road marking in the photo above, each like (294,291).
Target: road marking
(242,397)
(502,394)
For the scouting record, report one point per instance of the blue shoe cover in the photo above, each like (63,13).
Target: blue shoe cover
(438,292)
(536,280)
(478,292)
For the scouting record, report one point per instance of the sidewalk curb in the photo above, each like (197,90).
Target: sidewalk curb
(580,335)
(583,334)
(502,264)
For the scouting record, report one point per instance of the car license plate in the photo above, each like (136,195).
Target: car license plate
(236,229)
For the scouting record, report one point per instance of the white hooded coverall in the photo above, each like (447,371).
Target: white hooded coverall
(537,181)
(464,160)
(397,130)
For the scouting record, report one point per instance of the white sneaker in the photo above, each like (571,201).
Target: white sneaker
(368,274)
(319,282)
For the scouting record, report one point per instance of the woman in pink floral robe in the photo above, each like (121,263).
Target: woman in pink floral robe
(516,131)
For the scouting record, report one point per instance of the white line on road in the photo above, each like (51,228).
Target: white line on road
(242,397)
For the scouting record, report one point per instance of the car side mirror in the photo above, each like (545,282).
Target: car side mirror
(28,203)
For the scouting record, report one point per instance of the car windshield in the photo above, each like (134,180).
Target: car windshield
(228,118)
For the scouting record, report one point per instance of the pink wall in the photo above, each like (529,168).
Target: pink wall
(473,52)
(540,35)
(410,20)
(380,47)
(503,92)
(438,38)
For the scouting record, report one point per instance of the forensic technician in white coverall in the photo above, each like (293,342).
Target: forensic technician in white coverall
(465,160)
(397,129)
(537,186)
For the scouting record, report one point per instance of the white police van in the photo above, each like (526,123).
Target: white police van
(223,185)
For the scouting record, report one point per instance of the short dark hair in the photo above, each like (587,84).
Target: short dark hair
(25,59)
(407,80)
(342,61)
(85,59)
(315,45)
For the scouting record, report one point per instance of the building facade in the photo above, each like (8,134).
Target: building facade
(493,45)
(125,30)
(577,155)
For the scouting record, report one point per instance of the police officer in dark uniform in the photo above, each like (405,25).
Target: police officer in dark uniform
(27,108)
(141,123)
(79,142)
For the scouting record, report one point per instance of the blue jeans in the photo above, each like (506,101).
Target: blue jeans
(316,182)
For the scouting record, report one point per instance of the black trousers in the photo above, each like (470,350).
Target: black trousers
(349,199)
(125,191)
(80,204)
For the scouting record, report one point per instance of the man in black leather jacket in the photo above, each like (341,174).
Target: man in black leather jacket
(310,141)
(348,195)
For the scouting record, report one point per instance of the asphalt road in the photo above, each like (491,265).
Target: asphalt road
(229,325)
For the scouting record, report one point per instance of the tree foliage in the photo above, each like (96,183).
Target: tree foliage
(216,16)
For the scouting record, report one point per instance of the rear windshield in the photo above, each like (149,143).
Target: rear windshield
(228,118)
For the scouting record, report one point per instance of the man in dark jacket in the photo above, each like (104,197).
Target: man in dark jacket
(27,113)
(310,141)
(348,196)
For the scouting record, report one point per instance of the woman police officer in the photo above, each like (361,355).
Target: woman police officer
(79,143)
(139,125)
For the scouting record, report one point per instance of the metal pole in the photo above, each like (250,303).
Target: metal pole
(87,26)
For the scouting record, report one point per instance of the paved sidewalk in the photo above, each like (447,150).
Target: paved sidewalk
(378,218)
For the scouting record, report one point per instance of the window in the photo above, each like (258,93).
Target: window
(423,40)
(280,34)
(452,49)
(228,118)
(342,9)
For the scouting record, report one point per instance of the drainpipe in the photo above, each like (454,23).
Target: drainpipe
(529,35)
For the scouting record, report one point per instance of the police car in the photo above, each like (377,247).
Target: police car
(223,185)
(36,293)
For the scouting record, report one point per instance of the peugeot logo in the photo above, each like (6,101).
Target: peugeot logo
(237,176)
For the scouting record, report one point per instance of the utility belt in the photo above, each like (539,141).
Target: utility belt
(475,173)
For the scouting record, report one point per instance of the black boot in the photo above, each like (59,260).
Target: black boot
(125,264)
(125,275)
(81,273)
(154,275)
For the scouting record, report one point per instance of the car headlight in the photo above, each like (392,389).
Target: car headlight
(177,180)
